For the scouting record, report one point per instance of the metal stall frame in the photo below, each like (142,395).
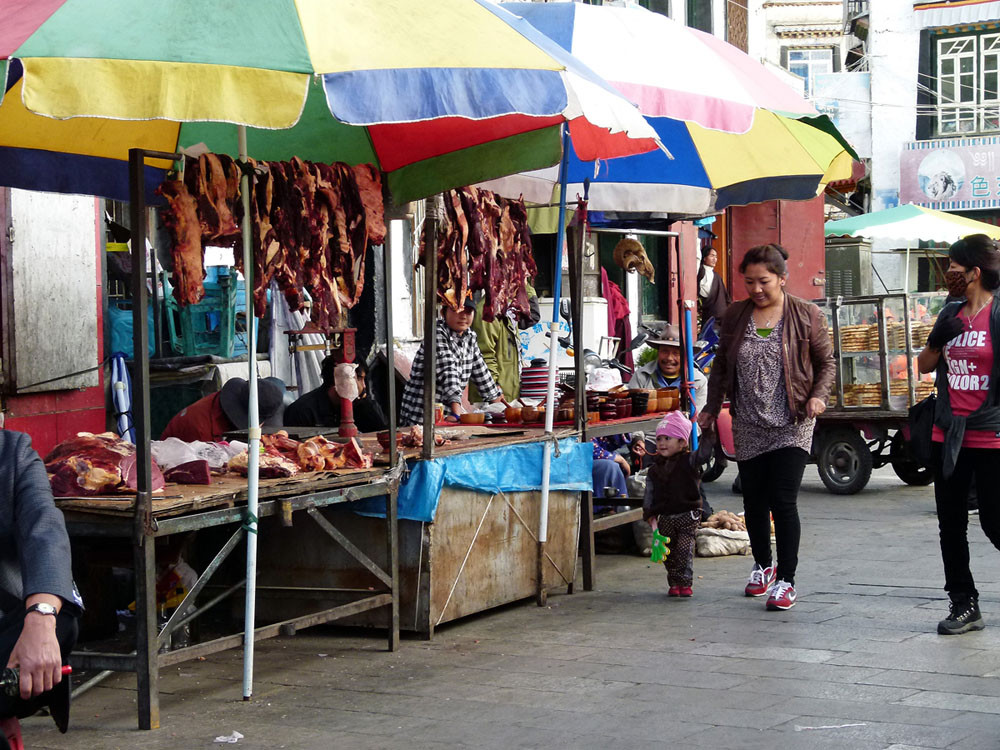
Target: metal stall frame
(434,209)
(144,528)
(588,524)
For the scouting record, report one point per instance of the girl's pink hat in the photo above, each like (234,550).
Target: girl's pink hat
(674,425)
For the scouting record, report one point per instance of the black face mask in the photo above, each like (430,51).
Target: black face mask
(956,283)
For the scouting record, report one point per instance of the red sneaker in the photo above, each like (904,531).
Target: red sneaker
(761,579)
(674,591)
(781,596)
(686,591)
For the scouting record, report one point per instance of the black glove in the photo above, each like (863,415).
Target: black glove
(944,331)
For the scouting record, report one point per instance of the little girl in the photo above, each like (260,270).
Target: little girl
(673,499)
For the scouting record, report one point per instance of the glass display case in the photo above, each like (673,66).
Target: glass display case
(876,339)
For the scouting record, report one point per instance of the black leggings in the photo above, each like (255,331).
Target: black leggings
(10,631)
(951,497)
(771,486)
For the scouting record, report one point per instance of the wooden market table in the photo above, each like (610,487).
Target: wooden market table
(185,508)
(479,551)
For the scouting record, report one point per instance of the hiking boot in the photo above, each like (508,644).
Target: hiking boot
(686,591)
(964,616)
(781,596)
(760,580)
(674,591)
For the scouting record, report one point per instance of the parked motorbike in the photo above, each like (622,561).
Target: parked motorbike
(593,360)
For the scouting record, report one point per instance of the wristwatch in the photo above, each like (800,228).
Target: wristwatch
(42,608)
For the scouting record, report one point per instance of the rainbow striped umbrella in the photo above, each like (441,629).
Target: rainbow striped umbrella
(435,94)
(737,134)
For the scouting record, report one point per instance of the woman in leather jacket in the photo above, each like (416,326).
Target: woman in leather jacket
(775,363)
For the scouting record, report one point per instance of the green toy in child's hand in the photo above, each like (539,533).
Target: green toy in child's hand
(660,548)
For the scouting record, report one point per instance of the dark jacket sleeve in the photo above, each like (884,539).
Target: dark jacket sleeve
(821,353)
(368,415)
(42,541)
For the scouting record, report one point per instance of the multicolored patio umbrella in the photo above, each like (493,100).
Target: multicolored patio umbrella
(667,68)
(737,133)
(434,94)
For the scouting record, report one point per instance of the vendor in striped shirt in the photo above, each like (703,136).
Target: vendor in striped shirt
(458,361)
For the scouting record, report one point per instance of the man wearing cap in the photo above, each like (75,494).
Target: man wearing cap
(459,361)
(211,417)
(665,370)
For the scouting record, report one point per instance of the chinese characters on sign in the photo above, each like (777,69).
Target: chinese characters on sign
(953,173)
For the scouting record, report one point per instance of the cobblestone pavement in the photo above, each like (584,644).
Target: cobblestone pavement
(855,664)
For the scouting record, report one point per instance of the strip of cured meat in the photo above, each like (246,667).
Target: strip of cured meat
(370,187)
(88,465)
(181,221)
(289,271)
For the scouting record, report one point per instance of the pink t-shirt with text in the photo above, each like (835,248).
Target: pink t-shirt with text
(970,362)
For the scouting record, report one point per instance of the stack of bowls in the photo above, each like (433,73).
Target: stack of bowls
(609,410)
(640,400)
(534,380)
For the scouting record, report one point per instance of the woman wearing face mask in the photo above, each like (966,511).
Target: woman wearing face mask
(962,349)
(775,363)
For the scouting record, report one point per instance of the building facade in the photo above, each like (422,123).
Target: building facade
(935,112)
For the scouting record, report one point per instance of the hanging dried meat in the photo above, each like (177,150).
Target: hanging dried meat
(311,226)
(483,244)
(181,220)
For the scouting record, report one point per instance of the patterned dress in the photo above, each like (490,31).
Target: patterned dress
(762,421)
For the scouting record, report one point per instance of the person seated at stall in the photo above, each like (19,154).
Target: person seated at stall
(501,346)
(211,417)
(321,406)
(39,605)
(459,361)
(665,370)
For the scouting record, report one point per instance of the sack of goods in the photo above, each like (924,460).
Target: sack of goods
(722,533)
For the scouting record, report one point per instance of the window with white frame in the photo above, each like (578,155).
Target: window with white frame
(989,96)
(807,63)
(968,84)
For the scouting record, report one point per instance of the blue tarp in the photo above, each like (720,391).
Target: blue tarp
(510,468)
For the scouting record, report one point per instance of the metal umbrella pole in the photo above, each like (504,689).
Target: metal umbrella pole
(550,395)
(253,425)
